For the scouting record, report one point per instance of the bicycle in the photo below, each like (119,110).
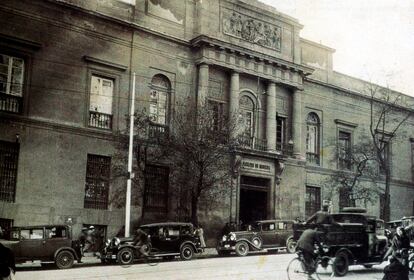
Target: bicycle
(322,267)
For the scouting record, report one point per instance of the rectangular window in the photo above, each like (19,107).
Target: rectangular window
(98,171)
(217,114)
(156,189)
(9,154)
(281,133)
(313,200)
(11,83)
(100,104)
(158,107)
(345,198)
(344,150)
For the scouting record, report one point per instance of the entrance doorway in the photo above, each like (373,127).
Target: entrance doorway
(253,198)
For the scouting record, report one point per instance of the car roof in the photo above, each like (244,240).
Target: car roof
(270,221)
(38,226)
(167,224)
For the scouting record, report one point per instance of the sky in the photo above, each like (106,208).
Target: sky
(373,39)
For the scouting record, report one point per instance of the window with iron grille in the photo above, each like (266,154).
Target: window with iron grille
(9,154)
(312,138)
(100,104)
(98,170)
(156,189)
(344,150)
(313,200)
(280,133)
(11,83)
(217,114)
(345,199)
(385,151)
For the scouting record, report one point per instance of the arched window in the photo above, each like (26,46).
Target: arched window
(159,99)
(312,138)
(247,116)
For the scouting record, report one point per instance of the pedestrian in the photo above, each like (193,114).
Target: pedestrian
(398,267)
(7,263)
(200,233)
(321,217)
(142,241)
(306,243)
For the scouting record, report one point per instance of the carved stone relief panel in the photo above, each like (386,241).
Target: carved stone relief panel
(251,30)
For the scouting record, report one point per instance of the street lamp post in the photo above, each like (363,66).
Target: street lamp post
(130,150)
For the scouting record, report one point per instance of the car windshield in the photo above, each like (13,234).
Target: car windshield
(253,227)
(349,219)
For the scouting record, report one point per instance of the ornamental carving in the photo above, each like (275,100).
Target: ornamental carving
(252,30)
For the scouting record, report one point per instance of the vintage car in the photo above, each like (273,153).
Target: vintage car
(270,235)
(167,241)
(48,243)
(352,238)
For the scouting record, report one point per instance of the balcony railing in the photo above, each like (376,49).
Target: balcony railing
(284,148)
(10,103)
(100,120)
(312,158)
(157,132)
(253,143)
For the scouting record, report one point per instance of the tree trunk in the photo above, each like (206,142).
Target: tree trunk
(386,209)
(194,206)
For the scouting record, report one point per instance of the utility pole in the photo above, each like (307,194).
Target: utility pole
(130,175)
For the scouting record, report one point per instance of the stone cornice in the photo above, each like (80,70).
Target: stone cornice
(116,66)
(352,92)
(346,123)
(20,42)
(58,127)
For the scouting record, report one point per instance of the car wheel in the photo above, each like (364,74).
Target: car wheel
(341,264)
(411,263)
(291,245)
(64,259)
(242,248)
(125,256)
(223,253)
(187,252)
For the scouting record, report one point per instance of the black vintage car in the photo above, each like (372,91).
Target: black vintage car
(352,238)
(270,235)
(167,241)
(48,243)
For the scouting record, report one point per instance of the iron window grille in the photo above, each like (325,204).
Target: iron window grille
(156,189)
(9,154)
(98,171)
(344,156)
(313,200)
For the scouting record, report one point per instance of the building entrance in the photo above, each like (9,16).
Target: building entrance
(253,198)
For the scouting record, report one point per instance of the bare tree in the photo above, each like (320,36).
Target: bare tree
(356,176)
(387,115)
(199,146)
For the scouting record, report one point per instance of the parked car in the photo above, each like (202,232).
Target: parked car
(270,235)
(48,243)
(167,240)
(352,238)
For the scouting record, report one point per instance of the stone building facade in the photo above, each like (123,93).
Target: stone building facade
(65,91)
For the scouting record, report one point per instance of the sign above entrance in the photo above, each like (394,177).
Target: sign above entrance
(256,166)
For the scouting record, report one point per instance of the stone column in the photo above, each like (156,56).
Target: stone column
(234,101)
(297,124)
(271,117)
(202,91)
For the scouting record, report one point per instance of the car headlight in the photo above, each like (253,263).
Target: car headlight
(117,241)
(232,236)
(224,238)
